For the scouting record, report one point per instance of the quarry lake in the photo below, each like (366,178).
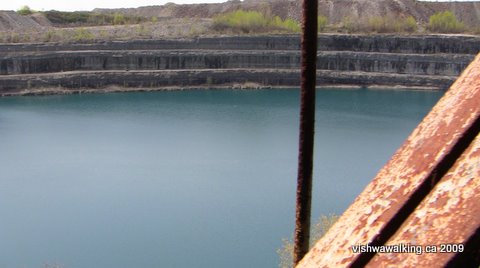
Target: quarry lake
(194,178)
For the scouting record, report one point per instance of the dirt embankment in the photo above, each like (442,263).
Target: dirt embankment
(170,18)
(334,10)
(11,21)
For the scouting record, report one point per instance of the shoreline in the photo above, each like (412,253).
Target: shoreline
(246,86)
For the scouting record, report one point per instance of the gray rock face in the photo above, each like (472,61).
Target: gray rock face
(410,61)
(414,44)
(442,64)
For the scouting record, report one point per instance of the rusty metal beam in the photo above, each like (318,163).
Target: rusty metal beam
(433,176)
(446,221)
(307,125)
(407,180)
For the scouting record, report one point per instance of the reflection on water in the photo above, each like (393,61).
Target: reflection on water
(181,179)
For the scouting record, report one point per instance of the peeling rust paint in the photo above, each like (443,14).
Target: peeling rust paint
(410,175)
(451,212)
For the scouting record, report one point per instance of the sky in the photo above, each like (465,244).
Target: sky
(65,5)
(90,4)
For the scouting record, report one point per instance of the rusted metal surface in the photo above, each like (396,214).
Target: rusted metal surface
(410,175)
(445,220)
(307,125)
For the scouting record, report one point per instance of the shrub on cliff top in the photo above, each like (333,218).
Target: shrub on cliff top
(118,19)
(445,22)
(82,34)
(253,22)
(89,18)
(25,10)
(287,24)
(244,21)
(388,24)
(322,23)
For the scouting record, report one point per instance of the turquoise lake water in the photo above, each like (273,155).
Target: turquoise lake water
(181,178)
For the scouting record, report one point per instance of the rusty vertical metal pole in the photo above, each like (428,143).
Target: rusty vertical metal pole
(307,125)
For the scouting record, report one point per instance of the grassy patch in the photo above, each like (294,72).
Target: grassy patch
(82,35)
(87,18)
(385,24)
(15,37)
(379,24)
(350,25)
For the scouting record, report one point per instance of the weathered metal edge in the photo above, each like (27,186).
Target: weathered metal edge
(445,220)
(369,220)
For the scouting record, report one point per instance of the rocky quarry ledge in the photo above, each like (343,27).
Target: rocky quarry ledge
(432,61)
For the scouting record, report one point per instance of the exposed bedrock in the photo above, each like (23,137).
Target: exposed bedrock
(135,80)
(431,64)
(410,61)
(418,44)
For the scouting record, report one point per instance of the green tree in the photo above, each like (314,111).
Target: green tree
(24,10)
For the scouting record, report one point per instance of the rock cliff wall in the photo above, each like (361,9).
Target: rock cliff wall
(409,61)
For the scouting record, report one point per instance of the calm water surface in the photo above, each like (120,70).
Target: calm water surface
(181,179)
